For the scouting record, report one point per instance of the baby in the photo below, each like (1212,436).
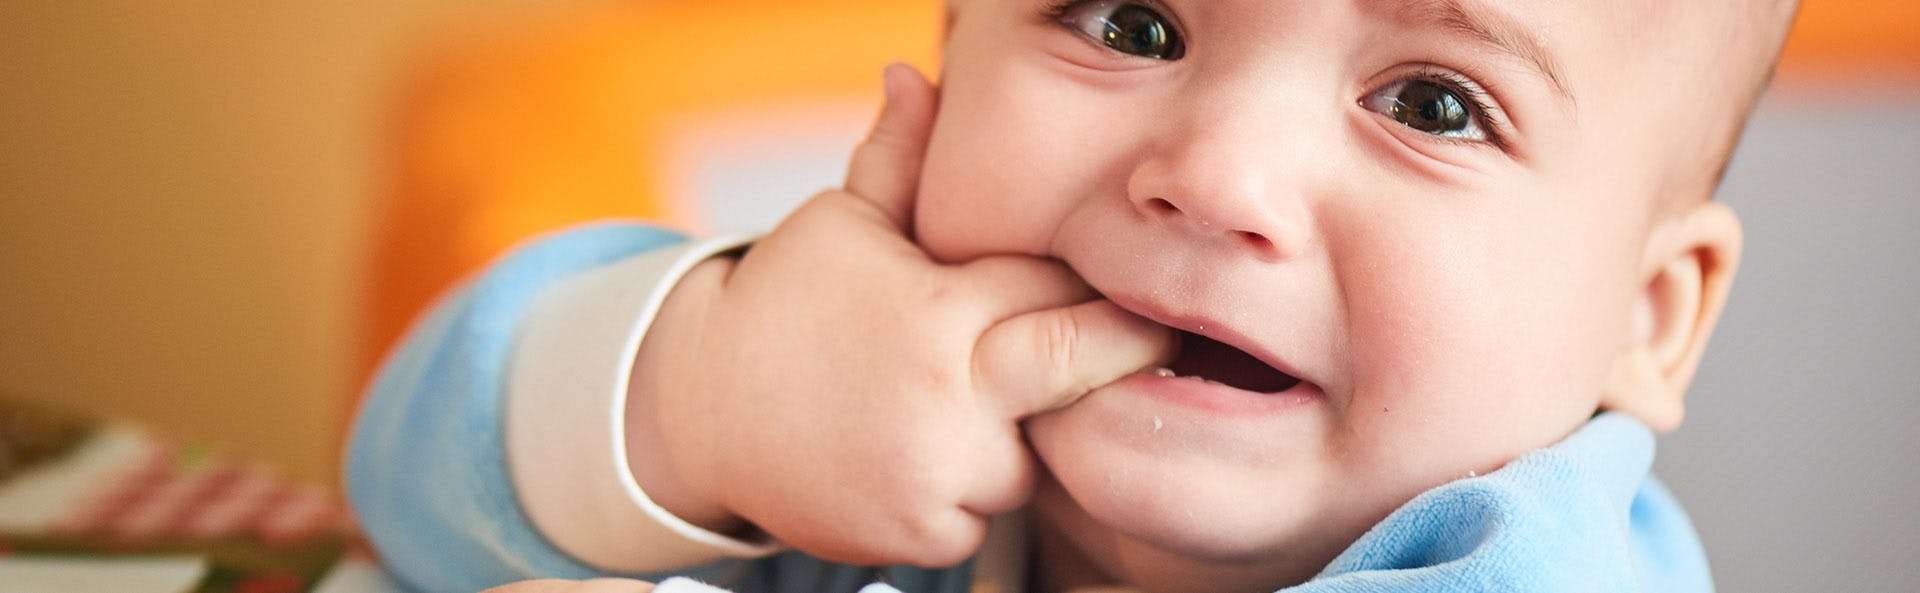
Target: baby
(1214,290)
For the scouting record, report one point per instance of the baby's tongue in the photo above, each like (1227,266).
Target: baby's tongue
(1204,358)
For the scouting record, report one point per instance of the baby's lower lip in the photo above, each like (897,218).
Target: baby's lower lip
(1216,398)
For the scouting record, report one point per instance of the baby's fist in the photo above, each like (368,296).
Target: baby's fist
(841,390)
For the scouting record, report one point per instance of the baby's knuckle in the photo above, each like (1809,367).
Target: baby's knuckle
(942,539)
(889,136)
(1060,340)
(935,293)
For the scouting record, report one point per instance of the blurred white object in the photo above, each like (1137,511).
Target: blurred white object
(54,574)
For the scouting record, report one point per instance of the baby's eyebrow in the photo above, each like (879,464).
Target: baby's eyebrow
(1490,28)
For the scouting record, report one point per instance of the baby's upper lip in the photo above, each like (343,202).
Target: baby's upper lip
(1208,327)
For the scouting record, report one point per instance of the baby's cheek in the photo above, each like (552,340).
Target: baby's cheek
(1444,352)
(1462,360)
(949,219)
(1005,167)
(1422,324)
(981,196)
(1426,354)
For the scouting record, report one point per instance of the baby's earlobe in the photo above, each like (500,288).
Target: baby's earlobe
(1690,261)
(1638,387)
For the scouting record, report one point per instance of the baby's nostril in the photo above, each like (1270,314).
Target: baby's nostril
(1162,206)
(1257,240)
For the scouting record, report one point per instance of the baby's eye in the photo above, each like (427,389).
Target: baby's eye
(1127,27)
(1429,106)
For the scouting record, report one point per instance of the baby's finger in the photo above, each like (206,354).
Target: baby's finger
(1015,284)
(886,167)
(565,586)
(1048,359)
(535,586)
(611,585)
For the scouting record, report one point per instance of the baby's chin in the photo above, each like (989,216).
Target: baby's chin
(1170,482)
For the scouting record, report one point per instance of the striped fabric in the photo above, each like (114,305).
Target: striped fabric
(121,497)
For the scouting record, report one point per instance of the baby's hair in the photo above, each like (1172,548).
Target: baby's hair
(1757,34)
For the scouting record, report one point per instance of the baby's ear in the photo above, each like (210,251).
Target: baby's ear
(1687,270)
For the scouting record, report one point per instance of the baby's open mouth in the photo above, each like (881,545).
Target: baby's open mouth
(1213,361)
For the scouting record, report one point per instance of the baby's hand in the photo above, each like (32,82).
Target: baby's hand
(842,391)
(588,586)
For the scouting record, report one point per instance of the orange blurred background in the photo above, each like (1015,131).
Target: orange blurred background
(1853,43)
(195,198)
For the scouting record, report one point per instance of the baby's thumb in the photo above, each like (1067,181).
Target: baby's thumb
(1047,359)
(886,167)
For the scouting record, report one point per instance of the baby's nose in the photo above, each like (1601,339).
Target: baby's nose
(1259,240)
(1246,215)
(1230,182)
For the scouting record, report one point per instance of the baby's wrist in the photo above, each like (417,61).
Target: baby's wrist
(665,443)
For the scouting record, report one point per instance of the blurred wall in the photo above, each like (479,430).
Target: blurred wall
(184,189)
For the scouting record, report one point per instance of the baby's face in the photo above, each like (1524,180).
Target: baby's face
(1405,239)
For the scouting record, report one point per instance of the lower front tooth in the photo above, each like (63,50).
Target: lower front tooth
(1163,372)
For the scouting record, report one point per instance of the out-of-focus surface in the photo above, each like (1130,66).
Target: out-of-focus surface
(1853,42)
(609,112)
(188,204)
(92,506)
(1798,457)
(184,198)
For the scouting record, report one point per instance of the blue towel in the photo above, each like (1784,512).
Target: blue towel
(426,475)
(1582,515)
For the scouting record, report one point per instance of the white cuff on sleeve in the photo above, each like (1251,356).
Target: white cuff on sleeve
(565,418)
(686,585)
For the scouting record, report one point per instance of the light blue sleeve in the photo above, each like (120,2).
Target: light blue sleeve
(426,468)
